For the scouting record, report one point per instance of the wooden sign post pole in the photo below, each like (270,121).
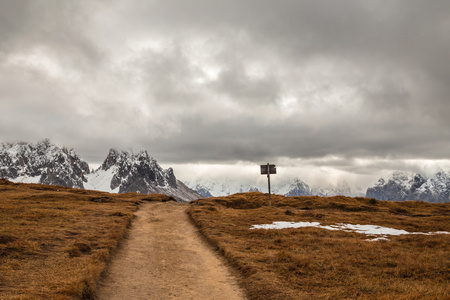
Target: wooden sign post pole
(268,180)
(268,169)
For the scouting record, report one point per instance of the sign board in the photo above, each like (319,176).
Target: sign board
(268,169)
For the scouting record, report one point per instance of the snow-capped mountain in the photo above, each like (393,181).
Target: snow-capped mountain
(121,172)
(402,186)
(43,163)
(299,188)
(124,172)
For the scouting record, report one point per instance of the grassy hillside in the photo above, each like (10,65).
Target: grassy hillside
(55,241)
(314,263)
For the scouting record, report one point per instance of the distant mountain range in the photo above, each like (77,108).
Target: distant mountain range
(121,171)
(215,187)
(124,171)
(294,187)
(400,186)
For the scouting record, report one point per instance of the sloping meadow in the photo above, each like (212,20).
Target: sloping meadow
(55,241)
(313,262)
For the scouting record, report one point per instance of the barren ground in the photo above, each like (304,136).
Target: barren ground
(164,257)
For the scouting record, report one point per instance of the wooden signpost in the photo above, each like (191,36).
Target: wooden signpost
(268,169)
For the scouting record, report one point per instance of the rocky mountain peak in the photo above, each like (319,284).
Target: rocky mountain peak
(125,171)
(111,159)
(299,188)
(43,163)
(136,171)
(402,186)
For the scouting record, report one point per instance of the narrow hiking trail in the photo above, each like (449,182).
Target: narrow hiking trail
(164,257)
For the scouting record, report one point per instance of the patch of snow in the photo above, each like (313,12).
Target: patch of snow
(377,239)
(25,179)
(283,225)
(101,181)
(371,230)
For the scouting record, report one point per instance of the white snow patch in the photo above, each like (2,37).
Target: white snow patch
(101,181)
(371,230)
(25,179)
(377,239)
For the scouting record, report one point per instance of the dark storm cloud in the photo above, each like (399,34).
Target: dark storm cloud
(225,81)
(249,141)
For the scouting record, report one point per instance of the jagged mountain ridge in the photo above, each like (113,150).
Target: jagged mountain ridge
(43,163)
(121,172)
(136,171)
(401,186)
(124,172)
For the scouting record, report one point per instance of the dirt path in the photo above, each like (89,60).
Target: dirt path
(164,257)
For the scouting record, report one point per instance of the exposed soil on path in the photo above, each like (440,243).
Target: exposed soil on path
(164,257)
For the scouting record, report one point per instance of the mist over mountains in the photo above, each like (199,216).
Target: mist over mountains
(209,187)
(124,171)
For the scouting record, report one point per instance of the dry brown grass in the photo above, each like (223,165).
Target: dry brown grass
(55,241)
(313,263)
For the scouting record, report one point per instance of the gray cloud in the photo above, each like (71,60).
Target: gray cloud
(225,81)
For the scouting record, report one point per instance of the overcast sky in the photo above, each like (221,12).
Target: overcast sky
(337,88)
